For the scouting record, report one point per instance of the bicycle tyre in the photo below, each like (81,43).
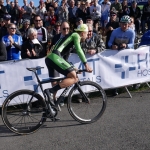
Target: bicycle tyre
(83,112)
(16,106)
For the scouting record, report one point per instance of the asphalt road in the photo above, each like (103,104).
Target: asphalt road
(125,125)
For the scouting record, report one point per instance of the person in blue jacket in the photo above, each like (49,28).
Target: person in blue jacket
(122,37)
(12,42)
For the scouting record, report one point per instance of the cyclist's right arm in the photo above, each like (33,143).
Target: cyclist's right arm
(76,39)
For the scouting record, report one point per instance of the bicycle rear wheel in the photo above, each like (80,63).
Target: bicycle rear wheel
(92,107)
(22,112)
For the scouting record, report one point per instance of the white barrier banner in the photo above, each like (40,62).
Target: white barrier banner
(110,69)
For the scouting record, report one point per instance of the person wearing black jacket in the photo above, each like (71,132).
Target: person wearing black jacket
(135,12)
(2,9)
(3,30)
(32,48)
(3,52)
(146,16)
(24,29)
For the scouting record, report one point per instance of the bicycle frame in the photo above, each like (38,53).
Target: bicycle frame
(63,94)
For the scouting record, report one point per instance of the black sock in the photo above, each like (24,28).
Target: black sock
(55,88)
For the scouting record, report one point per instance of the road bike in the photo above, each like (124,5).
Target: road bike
(24,111)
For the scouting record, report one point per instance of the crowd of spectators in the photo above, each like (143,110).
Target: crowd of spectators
(30,31)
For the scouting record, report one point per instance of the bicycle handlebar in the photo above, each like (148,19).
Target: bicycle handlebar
(79,71)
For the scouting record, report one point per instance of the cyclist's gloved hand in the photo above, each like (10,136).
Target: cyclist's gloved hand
(88,68)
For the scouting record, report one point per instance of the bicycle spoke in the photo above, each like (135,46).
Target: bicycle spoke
(18,123)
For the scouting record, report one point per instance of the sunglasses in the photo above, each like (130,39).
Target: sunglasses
(65,28)
(12,28)
(112,15)
(37,20)
(90,31)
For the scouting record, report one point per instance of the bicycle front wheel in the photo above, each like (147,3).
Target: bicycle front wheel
(92,106)
(22,112)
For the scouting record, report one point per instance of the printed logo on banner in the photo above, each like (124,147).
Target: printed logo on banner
(3,93)
(126,66)
(29,80)
(93,77)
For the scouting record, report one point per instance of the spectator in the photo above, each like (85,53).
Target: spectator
(131,24)
(79,21)
(33,8)
(135,12)
(55,6)
(49,37)
(122,37)
(95,12)
(41,10)
(56,29)
(93,44)
(48,3)
(90,21)
(87,3)
(8,6)
(112,24)
(24,29)
(15,13)
(2,23)
(146,16)
(26,11)
(47,19)
(64,31)
(49,32)
(83,11)
(52,18)
(125,9)
(18,12)
(78,4)
(62,12)
(116,6)
(145,40)
(105,7)
(12,42)
(72,13)
(3,30)
(32,48)
(2,8)
(3,52)
(41,33)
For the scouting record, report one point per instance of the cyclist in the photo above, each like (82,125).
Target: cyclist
(55,60)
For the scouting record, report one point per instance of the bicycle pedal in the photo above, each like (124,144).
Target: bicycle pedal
(55,119)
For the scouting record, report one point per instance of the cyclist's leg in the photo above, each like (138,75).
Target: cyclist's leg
(71,79)
(64,68)
(51,72)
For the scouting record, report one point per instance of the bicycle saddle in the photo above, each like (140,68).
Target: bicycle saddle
(34,69)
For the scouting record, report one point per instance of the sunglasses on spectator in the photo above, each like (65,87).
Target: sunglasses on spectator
(37,20)
(90,31)
(65,28)
(12,28)
(113,15)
